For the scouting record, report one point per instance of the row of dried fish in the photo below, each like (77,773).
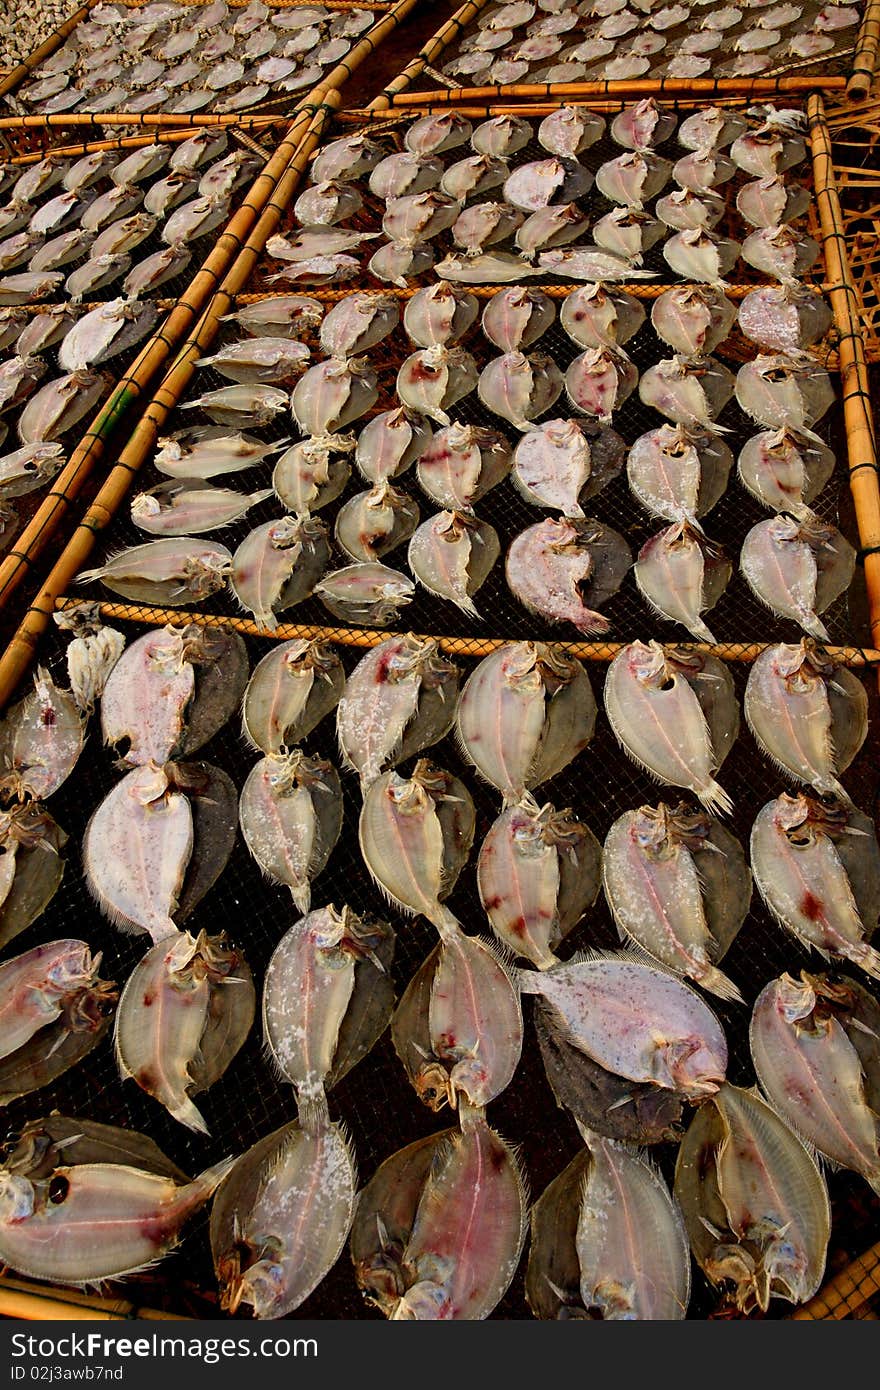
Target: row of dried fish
(191,58)
(612,40)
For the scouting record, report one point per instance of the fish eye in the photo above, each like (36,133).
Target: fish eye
(58,1189)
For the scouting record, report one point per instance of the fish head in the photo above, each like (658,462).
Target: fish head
(735,1265)
(144,506)
(205,573)
(148,784)
(692,1067)
(17,1198)
(784,1265)
(434,1087)
(426,1301)
(71,968)
(795,999)
(262,1285)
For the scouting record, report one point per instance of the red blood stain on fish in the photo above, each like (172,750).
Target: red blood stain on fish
(812,908)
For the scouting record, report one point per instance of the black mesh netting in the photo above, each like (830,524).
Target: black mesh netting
(375,1100)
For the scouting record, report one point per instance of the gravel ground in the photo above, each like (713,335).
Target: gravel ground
(25,24)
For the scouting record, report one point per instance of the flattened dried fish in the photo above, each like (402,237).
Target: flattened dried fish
(42,739)
(555,180)
(366,593)
(693,319)
(452,554)
(291,818)
(290,692)
(439,315)
(565,569)
(797,568)
(433,379)
(690,391)
(405,173)
(262,359)
(332,394)
(682,575)
(785,469)
(173,571)
(516,318)
(279,565)
(462,463)
(519,387)
(599,380)
(676,472)
(784,318)
(241,405)
(372,524)
(308,477)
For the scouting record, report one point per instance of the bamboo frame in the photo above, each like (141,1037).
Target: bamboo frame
(847,1293)
(125,142)
(19,1298)
(867,52)
(426,55)
(454,646)
(636,87)
(265,196)
(860,437)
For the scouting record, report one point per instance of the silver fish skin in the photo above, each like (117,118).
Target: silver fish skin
(596,316)
(554,180)
(61,250)
(519,387)
(474,175)
(524,713)
(195,219)
(398,700)
(668,899)
(29,468)
(457,1211)
(105,332)
(347,158)
(555,225)
(264,359)
(263,1258)
(291,818)
(28,287)
(136,850)
(191,507)
(18,380)
(123,235)
(290,691)
(815,864)
(569,131)
(808,714)
(179,994)
(502,136)
(405,174)
(538,872)
(690,391)
(637,1021)
(461,463)
(803,1042)
(458,1027)
(437,134)
(332,394)
(372,524)
(682,575)
(358,322)
(278,565)
(115,1219)
(516,318)
(781,252)
(770,201)
(693,319)
(677,473)
(701,256)
(711,129)
(173,571)
(754,1202)
(119,201)
(599,380)
(663,712)
(308,477)
(688,211)
(168,193)
(786,470)
(633,179)
(433,379)
(642,125)
(325,204)
(564,569)
(59,405)
(238,405)
(95,274)
(439,315)
(279,316)
(397,261)
(588,263)
(451,554)
(415,837)
(311,981)
(43,737)
(797,568)
(482,225)
(784,318)
(367,593)
(210,451)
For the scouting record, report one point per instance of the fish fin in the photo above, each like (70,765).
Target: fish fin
(529,981)
(867,959)
(302,896)
(189,1115)
(715,799)
(717,983)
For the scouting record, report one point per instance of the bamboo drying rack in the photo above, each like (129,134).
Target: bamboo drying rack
(269,194)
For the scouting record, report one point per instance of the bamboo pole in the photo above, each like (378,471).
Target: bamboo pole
(141,118)
(323,99)
(122,142)
(138,449)
(860,439)
(640,86)
(444,36)
(846,1292)
(867,51)
(45,1302)
(857,657)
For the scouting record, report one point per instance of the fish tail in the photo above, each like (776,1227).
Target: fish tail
(302,897)
(813,624)
(716,982)
(699,630)
(467,605)
(529,981)
(446,923)
(208,1181)
(715,798)
(314,1114)
(189,1115)
(863,955)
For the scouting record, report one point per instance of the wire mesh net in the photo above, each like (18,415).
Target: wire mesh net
(375,1100)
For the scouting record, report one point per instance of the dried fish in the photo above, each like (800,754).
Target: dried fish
(784,318)
(596,316)
(29,468)
(502,136)
(241,405)
(519,387)
(754,1202)
(678,885)
(633,179)
(42,738)
(348,158)
(588,263)
(482,225)
(785,469)
(440,1227)
(474,175)
(28,287)
(372,524)
(119,201)
(61,250)
(781,252)
(690,391)
(278,565)
(433,379)
(451,554)
(711,128)
(399,700)
(487,268)
(172,571)
(291,690)
(308,477)
(569,131)
(291,818)
(332,394)
(15,250)
(628,233)
(415,836)
(123,235)
(814,1049)
(94,274)
(675,713)
(693,319)
(278,316)
(637,1021)
(325,204)
(682,575)
(599,380)
(209,451)
(458,1028)
(185,1012)
(397,260)
(461,463)
(405,173)
(315,242)
(437,134)
(439,315)
(688,211)
(206,144)
(770,201)
(678,473)
(195,219)
(105,332)
(538,872)
(564,569)
(555,180)
(168,193)
(369,594)
(326,1001)
(358,322)
(797,568)
(524,713)
(815,864)
(773,147)
(700,255)
(18,380)
(78,1223)
(642,126)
